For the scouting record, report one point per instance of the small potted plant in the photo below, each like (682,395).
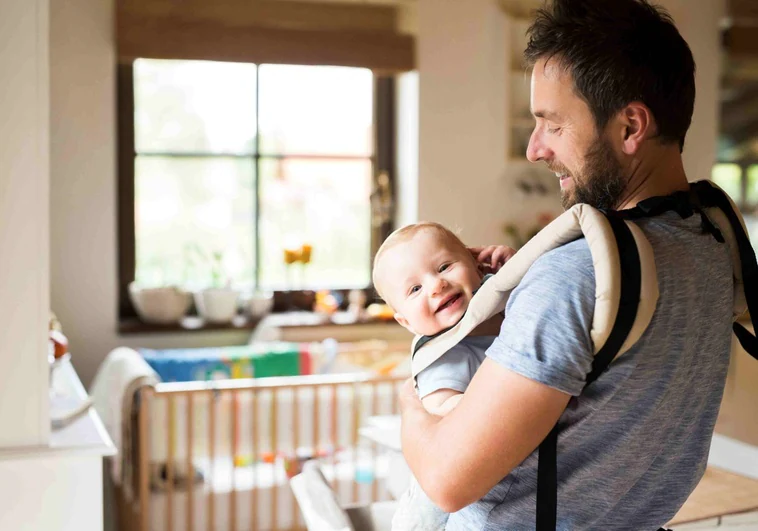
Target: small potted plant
(217,303)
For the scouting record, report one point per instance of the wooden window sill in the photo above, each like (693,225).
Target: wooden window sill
(284,320)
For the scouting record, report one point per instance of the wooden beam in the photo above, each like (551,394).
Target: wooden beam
(268,14)
(180,38)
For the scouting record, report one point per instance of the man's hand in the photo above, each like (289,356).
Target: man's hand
(491,257)
(408,398)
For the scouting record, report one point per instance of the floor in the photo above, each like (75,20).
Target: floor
(735,522)
(723,501)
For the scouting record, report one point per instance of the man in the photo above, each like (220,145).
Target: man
(612,94)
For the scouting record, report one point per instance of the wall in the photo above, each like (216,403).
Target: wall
(701,29)
(461,52)
(24,222)
(83,187)
(461,177)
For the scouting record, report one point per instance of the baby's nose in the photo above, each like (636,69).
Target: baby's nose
(439,285)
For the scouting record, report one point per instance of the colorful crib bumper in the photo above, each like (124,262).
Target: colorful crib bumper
(257,360)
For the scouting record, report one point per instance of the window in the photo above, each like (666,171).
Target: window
(740,181)
(223,166)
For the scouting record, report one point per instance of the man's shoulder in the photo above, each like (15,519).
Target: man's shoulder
(564,260)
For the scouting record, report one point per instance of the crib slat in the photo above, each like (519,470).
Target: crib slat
(393,397)
(170,441)
(274,451)
(333,440)
(374,464)
(211,457)
(295,444)
(144,458)
(254,460)
(235,452)
(190,467)
(354,442)
(316,420)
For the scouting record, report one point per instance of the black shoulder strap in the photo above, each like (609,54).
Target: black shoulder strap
(631,280)
(709,196)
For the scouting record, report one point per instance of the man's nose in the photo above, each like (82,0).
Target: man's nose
(537,150)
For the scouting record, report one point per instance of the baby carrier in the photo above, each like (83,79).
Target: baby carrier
(626,291)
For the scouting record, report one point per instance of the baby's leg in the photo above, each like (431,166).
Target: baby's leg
(416,512)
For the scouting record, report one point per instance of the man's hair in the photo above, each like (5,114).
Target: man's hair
(406,233)
(618,52)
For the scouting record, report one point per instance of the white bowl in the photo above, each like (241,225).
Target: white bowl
(164,305)
(260,305)
(217,305)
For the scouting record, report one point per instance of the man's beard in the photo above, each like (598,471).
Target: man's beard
(602,181)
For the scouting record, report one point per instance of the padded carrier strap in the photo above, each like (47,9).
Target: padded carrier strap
(547,467)
(707,200)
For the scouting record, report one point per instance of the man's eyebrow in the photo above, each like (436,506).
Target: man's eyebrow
(547,115)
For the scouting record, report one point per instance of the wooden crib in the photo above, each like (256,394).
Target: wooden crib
(215,455)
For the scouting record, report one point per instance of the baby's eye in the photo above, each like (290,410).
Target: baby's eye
(414,289)
(445,267)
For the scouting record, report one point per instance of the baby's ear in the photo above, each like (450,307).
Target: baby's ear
(403,322)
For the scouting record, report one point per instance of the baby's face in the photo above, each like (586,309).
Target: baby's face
(429,282)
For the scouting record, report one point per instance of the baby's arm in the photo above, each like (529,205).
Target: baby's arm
(442,401)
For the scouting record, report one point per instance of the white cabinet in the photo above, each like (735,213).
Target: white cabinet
(58,487)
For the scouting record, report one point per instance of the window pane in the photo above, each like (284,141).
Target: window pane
(316,110)
(324,203)
(194,107)
(728,177)
(186,210)
(752,184)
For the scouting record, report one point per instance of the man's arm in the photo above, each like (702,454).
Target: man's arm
(500,420)
(538,361)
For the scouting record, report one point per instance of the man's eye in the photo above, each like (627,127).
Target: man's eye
(553,130)
(445,267)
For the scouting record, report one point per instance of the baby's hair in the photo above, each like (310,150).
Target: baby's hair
(404,234)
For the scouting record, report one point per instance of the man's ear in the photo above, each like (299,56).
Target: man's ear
(638,125)
(404,323)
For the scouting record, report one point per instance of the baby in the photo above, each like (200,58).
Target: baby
(428,276)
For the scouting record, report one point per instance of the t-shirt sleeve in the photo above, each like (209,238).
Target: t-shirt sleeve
(453,370)
(545,335)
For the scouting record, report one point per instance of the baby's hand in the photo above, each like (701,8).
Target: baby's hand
(492,257)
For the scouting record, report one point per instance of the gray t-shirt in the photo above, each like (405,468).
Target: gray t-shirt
(455,368)
(634,444)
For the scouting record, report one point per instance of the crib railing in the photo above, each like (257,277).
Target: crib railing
(215,455)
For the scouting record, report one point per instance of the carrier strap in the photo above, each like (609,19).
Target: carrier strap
(631,280)
(700,196)
(704,195)
(710,196)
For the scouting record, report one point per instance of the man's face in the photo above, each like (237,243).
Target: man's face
(566,139)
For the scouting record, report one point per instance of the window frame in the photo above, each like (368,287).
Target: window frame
(382,161)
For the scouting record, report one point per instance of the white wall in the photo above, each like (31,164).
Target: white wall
(463,179)
(462,107)
(700,28)
(24,222)
(83,186)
